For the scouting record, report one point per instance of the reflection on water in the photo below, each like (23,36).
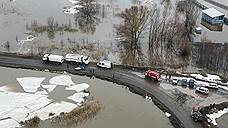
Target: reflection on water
(87,18)
(121,108)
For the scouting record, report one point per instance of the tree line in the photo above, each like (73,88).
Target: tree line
(163,31)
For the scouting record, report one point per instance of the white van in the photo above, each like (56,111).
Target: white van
(105,64)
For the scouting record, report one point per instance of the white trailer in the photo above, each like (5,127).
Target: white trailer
(76,58)
(53,58)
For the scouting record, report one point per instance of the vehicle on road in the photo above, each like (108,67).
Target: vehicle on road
(105,64)
(152,75)
(56,59)
(212,85)
(174,81)
(202,90)
(191,83)
(184,82)
(196,114)
(76,58)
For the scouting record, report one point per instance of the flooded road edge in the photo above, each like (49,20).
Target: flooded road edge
(162,101)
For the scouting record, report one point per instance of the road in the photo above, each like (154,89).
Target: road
(180,117)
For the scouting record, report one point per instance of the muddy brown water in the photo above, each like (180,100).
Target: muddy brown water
(120,107)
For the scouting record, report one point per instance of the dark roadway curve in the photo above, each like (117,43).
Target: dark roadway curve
(180,117)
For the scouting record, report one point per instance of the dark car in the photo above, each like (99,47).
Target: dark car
(191,83)
(197,116)
(184,82)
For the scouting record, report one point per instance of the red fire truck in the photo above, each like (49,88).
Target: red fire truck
(152,75)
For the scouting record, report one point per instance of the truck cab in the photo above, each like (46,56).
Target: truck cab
(152,75)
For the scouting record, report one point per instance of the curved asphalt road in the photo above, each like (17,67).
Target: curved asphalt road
(180,116)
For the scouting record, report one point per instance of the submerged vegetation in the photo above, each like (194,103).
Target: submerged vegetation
(80,114)
(31,123)
(74,117)
(51,28)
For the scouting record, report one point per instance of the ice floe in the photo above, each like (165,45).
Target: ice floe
(9,123)
(212,117)
(30,84)
(78,87)
(148,98)
(61,80)
(167,114)
(50,88)
(55,108)
(16,107)
(79,97)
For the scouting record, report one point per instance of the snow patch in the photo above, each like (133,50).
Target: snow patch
(30,84)
(74,1)
(212,117)
(167,114)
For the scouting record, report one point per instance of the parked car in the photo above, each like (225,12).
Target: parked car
(184,82)
(191,83)
(213,86)
(174,81)
(56,59)
(152,75)
(196,114)
(202,90)
(105,64)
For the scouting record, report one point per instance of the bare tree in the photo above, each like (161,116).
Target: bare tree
(191,12)
(7,46)
(130,32)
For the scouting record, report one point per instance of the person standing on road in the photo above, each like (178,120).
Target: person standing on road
(93,73)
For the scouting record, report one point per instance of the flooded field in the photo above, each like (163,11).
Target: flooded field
(120,107)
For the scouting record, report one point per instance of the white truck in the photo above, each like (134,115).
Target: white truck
(56,59)
(76,58)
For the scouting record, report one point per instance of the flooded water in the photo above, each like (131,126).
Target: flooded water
(17,16)
(120,108)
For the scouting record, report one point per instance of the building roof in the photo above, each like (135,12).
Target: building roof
(212,12)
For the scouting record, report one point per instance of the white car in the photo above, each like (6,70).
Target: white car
(105,64)
(174,81)
(213,85)
(202,90)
